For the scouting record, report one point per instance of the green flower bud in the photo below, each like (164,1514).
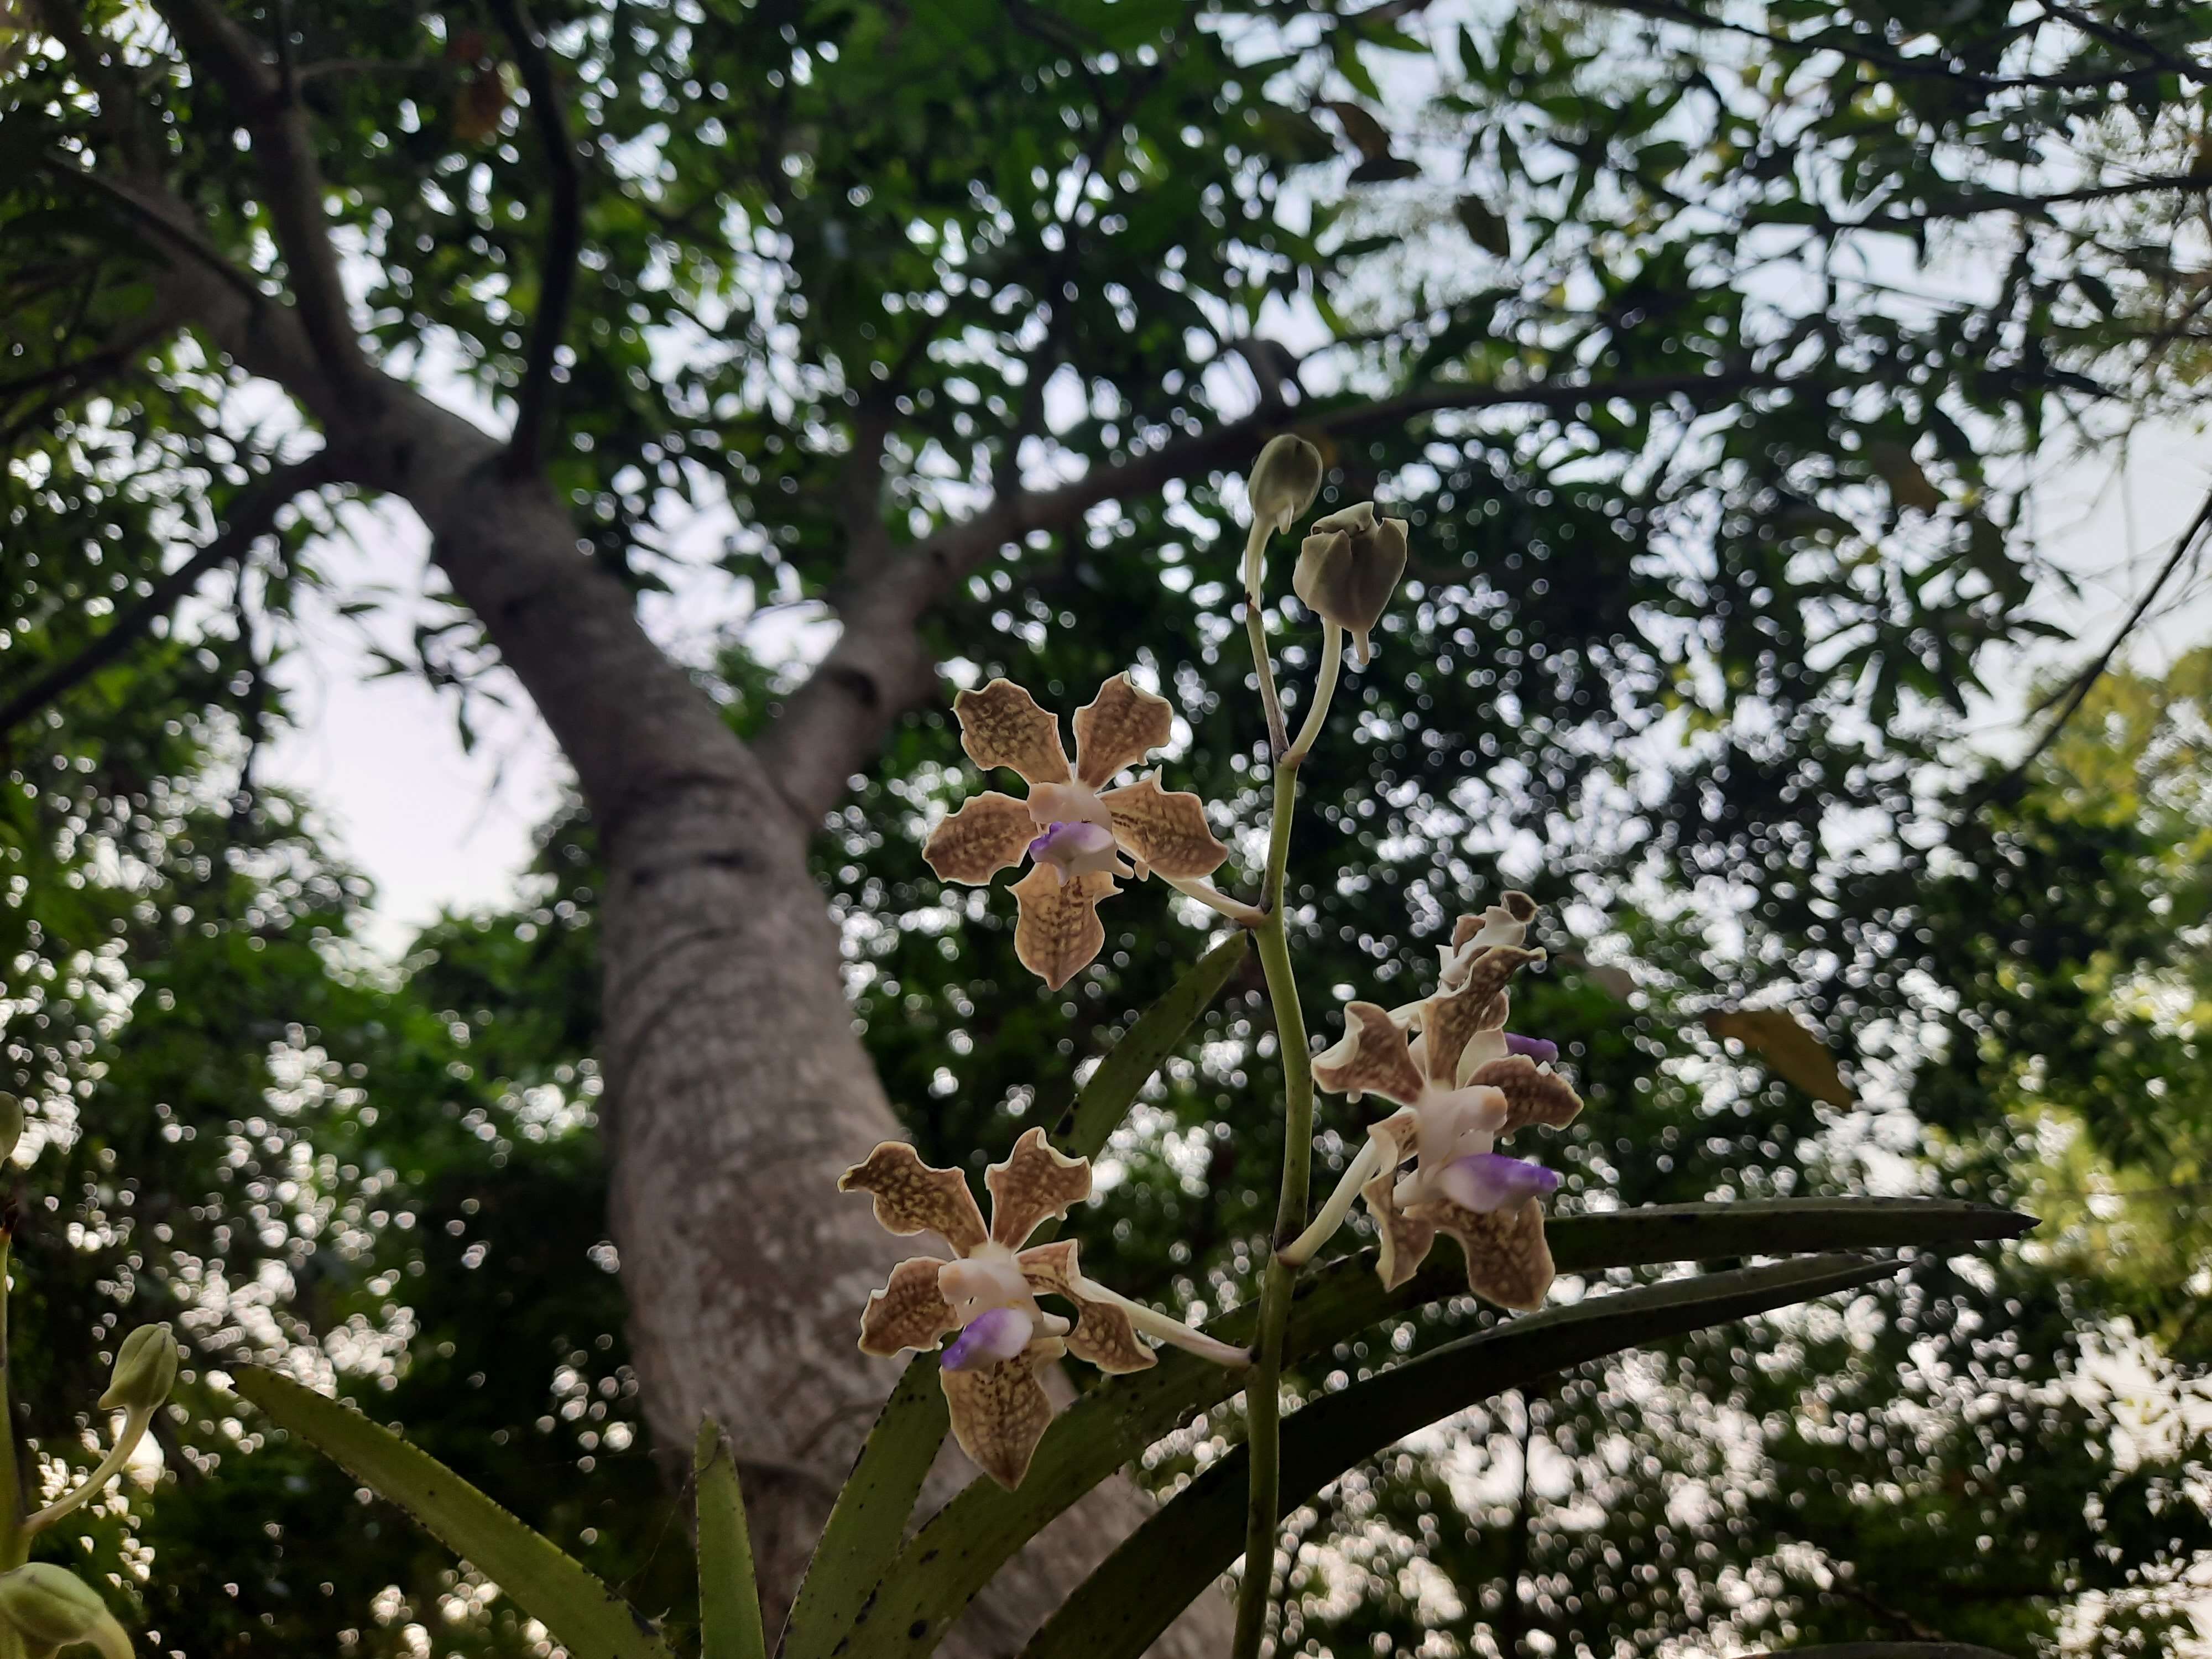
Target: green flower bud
(1348,568)
(1285,481)
(145,1369)
(11,1125)
(52,1607)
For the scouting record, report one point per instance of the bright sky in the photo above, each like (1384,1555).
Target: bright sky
(438,826)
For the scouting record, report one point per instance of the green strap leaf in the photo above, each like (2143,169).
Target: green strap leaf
(868,1523)
(584,1615)
(1169,1561)
(729,1592)
(955,1554)
(1104,1100)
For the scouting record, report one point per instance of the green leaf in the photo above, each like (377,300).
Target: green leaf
(1790,1047)
(865,1527)
(729,1593)
(956,1552)
(1486,225)
(584,1615)
(1104,1100)
(1168,1562)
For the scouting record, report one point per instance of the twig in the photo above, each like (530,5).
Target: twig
(252,515)
(2084,682)
(564,238)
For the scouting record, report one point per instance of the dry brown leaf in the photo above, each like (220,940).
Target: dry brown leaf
(1791,1049)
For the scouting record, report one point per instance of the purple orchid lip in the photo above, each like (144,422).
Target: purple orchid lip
(994,1334)
(1484,1181)
(1539,1049)
(1070,839)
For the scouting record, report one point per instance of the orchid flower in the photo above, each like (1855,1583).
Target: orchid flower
(988,1294)
(1464,1083)
(1079,835)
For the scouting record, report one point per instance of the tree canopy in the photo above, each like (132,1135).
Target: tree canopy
(1706,350)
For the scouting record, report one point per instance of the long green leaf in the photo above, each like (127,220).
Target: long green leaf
(869,1520)
(1167,1563)
(584,1615)
(729,1591)
(1104,1100)
(955,1554)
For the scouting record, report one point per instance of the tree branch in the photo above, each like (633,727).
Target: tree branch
(878,669)
(2078,690)
(252,515)
(564,238)
(1897,64)
(284,149)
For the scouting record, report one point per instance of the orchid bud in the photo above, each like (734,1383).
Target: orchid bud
(1348,568)
(1285,481)
(11,1125)
(145,1369)
(51,1608)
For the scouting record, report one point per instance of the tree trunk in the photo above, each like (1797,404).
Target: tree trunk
(736,1088)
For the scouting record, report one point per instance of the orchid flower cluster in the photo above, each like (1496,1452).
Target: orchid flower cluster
(45,1607)
(1462,1082)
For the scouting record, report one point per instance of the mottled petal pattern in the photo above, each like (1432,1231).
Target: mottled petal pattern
(1533,1095)
(1508,1263)
(908,1312)
(1119,727)
(1033,1182)
(1490,972)
(912,1198)
(1002,726)
(1401,1240)
(988,834)
(1448,1024)
(1164,831)
(999,1411)
(1059,933)
(1103,1333)
(1371,1057)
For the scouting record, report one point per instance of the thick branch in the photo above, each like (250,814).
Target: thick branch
(252,515)
(564,238)
(284,149)
(878,669)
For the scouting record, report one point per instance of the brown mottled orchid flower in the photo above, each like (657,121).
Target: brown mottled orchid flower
(988,1294)
(1464,1083)
(1078,833)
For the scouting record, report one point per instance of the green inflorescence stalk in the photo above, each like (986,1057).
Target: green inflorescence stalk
(1263,1389)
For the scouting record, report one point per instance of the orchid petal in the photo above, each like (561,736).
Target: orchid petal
(912,1198)
(908,1312)
(1119,727)
(1002,726)
(1033,1182)
(1164,831)
(1508,1263)
(1372,1057)
(1059,933)
(988,834)
(1103,1333)
(1533,1094)
(999,1411)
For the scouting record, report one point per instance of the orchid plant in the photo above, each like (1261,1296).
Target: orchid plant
(987,1320)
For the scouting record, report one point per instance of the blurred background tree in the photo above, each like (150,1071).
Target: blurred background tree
(1708,354)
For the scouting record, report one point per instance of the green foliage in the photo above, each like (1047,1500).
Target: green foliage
(1653,648)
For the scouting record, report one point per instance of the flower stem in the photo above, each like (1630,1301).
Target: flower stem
(1263,1391)
(1332,663)
(1301,1249)
(1255,624)
(13,1543)
(1166,1327)
(1244,916)
(136,1422)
